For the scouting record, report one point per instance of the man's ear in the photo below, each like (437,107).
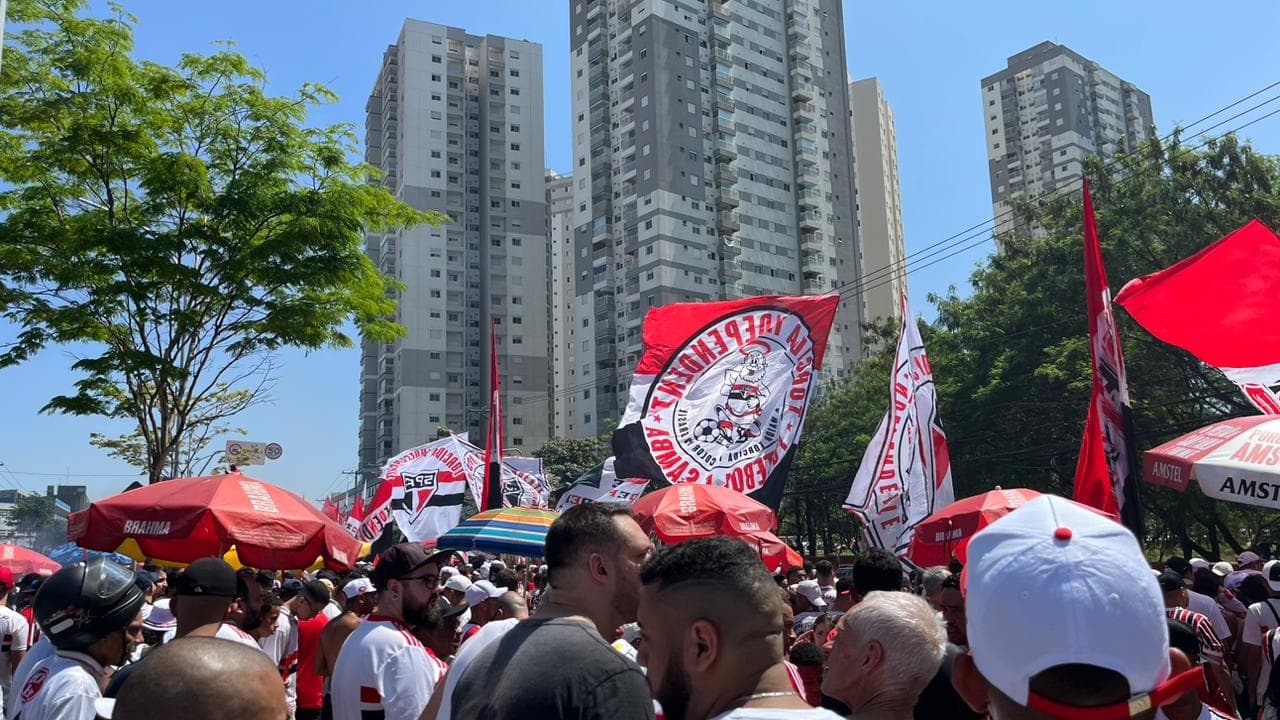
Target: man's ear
(704,645)
(969,683)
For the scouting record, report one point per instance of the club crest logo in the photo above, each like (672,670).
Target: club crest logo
(416,493)
(731,401)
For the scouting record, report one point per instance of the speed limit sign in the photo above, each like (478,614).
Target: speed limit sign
(273,451)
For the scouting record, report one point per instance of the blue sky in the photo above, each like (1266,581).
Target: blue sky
(1192,61)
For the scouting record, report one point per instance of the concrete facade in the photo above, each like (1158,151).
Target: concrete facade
(879,206)
(1047,111)
(455,123)
(562,337)
(712,160)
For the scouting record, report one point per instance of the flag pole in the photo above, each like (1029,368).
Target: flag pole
(493,439)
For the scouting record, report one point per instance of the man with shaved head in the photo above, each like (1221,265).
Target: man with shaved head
(712,635)
(205,679)
(511,605)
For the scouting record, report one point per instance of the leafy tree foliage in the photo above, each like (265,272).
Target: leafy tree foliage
(175,225)
(1011,358)
(565,459)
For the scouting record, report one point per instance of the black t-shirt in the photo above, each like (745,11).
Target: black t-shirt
(939,699)
(554,668)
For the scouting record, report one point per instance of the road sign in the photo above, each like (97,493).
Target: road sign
(244,452)
(273,451)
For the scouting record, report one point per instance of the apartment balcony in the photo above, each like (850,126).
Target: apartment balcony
(720,30)
(722,57)
(725,150)
(731,271)
(811,220)
(729,222)
(799,51)
(808,176)
(801,91)
(807,131)
(807,109)
(812,262)
(726,175)
(815,286)
(728,198)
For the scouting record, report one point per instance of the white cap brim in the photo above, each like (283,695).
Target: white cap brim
(104,707)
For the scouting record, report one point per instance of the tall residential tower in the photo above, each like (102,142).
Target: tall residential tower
(880,237)
(711,160)
(455,123)
(1047,111)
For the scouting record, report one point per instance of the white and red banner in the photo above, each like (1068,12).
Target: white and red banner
(1221,305)
(355,518)
(720,393)
(523,482)
(602,484)
(1106,474)
(428,484)
(377,513)
(905,473)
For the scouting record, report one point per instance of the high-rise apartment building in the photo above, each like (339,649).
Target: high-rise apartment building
(455,123)
(1047,111)
(711,160)
(879,206)
(561,339)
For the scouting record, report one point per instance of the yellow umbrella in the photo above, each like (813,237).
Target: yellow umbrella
(131,549)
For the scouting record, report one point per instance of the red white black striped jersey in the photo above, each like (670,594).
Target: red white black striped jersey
(14,637)
(1210,645)
(383,673)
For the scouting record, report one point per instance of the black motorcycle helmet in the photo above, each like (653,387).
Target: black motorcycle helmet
(85,602)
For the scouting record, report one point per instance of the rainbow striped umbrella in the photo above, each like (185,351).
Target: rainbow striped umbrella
(511,531)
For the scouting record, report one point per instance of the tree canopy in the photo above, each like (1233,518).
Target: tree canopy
(1011,358)
(174,225)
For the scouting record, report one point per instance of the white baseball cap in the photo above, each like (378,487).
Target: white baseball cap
(482,590)
(1222,569)
(458,582)
(1248,557)
(809,590)
(447,572)
(1198,563)
(1054,583)
(1271,571)
(357,587)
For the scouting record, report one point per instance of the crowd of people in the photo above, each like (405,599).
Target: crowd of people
(1058,614)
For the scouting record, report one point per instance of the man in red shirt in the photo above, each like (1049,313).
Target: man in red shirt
(310,684)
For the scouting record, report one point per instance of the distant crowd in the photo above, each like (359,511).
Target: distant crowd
(1057,615)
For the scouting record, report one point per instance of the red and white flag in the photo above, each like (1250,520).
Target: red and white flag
(1221,305)
(720,393)
(1106,474)
(355,518)
(377,513)
(329,510)
(492,495)
(428,484)
(905,474)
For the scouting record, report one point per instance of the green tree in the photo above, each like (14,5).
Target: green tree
(1011,357)
(178,222)
(33,516)
(192,456)
(565,459)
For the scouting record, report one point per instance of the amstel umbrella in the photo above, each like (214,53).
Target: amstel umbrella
(1236,460)
(189,518)
(689,510)
(21,561)
(776,554)
(511,531)
(947,531)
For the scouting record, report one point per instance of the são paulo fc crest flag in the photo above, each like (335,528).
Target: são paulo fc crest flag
(905,474)
(427,486)
(721,390)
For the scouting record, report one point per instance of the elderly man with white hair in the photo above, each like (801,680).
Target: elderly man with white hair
(887,649)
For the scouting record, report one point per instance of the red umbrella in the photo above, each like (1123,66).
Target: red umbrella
(20,561)
(776,554)
(691,510)
(185,519)
(947,531)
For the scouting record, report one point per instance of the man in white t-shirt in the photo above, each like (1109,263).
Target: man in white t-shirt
(382,668)
(809,605)
(14,634)
(711,623)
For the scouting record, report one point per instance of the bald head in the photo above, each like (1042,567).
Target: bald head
(511,605)
(209,678)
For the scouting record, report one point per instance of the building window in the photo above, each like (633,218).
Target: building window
(435,58)
(515,147)
(515,91)
(515,128)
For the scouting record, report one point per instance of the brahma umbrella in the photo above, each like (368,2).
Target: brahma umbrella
(20,561)
(691,510)
(1236,460)
(776,554)
(512,531)
(947,532)
(189,518)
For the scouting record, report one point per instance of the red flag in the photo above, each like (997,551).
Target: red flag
(493,439)
(329,510)
(1220,305)
(378,513)
(355,518)
(1106,474)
